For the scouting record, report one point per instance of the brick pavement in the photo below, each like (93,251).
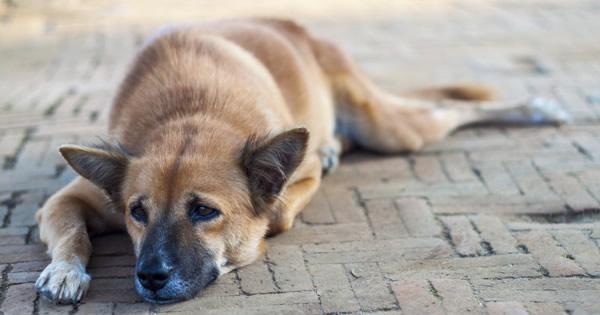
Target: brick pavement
(493,220)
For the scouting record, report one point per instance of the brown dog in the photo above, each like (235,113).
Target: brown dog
(221,134)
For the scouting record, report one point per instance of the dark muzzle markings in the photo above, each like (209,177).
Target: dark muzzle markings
(172,264)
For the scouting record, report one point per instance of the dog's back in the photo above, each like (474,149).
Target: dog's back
(257,75)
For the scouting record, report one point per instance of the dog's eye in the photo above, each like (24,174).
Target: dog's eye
(201,212)
(139,214)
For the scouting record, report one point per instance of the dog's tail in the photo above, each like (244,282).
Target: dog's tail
(463,92)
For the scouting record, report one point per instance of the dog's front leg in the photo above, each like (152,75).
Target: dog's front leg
(63,223)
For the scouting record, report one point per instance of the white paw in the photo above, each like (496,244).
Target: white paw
(547,111)
(330,159)
(63,282)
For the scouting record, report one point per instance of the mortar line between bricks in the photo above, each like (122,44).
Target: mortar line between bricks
(476,171)
(388,285)
(363,205)
(4,283)
(485,245)
(312,280)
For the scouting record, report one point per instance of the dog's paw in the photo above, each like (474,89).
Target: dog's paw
(63,282)
(547,111)
(330,159)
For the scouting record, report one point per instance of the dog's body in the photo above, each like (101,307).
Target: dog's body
(214,150)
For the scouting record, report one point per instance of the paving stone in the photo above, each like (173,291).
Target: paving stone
(417,217)
(327,233)
(287,263)
(369,287)
(572,192)
(538,290)
(385,219)
(19,299)
(376,251)
(243,301)
(417,296)
(428,169)
(256,278)
(318,211)
(504,308)
(333,288)
(457,167)
(23,213)
(552,257)
(46,307)
(499,266)
(465,239)
(584,251)
(134,309)
(457,296)
(493,231)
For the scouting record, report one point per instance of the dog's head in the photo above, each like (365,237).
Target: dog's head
(195,208)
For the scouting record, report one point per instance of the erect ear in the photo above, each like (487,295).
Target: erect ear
(269,163)
(104,166)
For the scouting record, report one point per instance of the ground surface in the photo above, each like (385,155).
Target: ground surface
(494,220)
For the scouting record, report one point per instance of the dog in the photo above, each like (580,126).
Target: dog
(219,136)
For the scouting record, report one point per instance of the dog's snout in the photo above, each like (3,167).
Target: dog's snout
(153,276)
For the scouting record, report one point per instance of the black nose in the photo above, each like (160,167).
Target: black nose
(153,276)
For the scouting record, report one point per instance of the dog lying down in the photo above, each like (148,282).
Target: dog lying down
(219,136)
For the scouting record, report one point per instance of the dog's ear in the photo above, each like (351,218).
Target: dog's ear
(269,163)
(104,166)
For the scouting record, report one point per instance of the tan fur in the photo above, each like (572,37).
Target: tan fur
(193,99)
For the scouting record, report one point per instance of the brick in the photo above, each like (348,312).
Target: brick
(417,217)
(13,235)
(95,308)
(415,189)
(376,251)
(538,290)
(23,213)
(572,192)
(46,307)
(493,231)
(495,204)
(466,241)
(498,266)
(552,257)
(528,179)
(369,287)
(385,219)
(133,309)
(318,211)
(428,169)
(457,296)
(287,263)
(256,278)
(496,178)
(343,204)
(583,250)
(537,308)
(242,301)
(22,277)
(503,308)
(324,234)
(417,296)
(457,167)
(19,299)
(333,288)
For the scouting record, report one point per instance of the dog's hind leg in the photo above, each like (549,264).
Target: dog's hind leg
(64,221)
(382,122)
